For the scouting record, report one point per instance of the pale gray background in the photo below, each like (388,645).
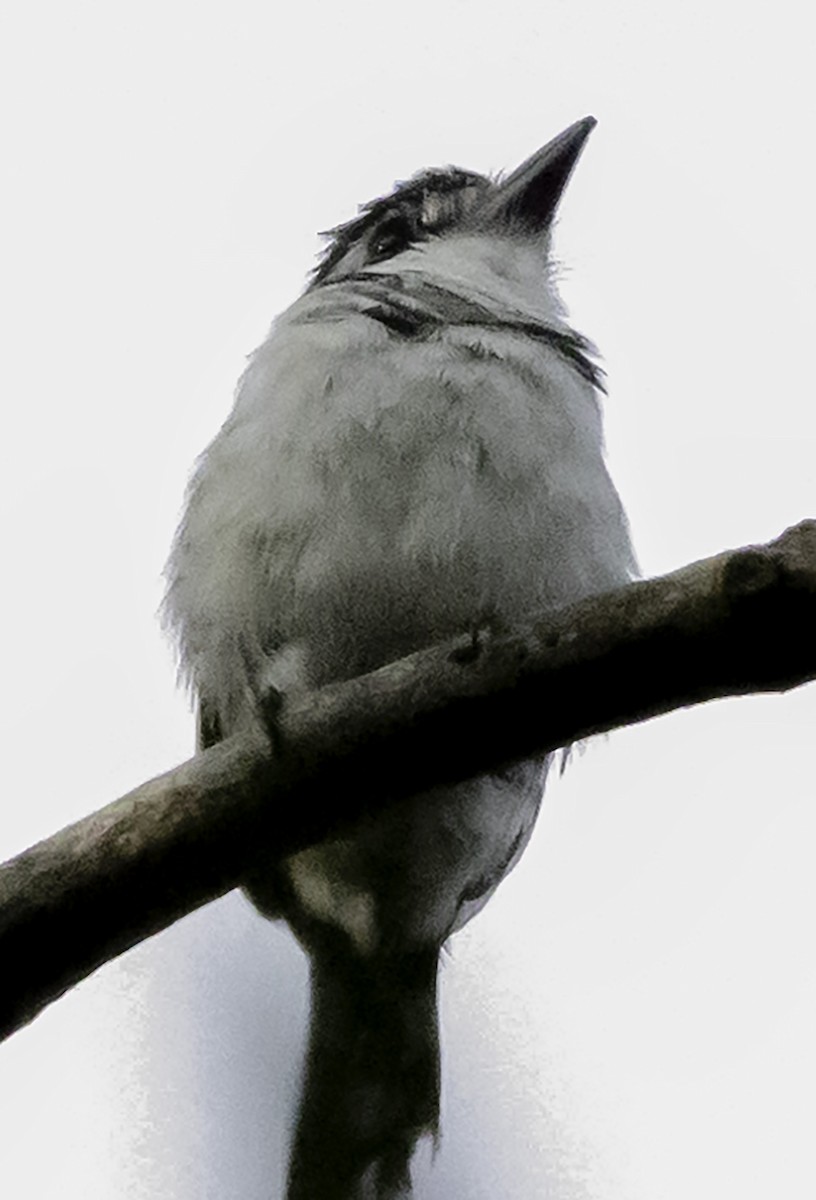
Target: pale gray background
(632,1017)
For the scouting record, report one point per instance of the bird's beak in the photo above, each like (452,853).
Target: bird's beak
(527,199)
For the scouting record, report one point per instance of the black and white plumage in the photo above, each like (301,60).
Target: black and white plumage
(415,447)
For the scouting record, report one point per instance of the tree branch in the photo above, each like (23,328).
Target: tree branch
(740,622)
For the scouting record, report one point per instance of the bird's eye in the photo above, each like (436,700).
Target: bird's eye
(390,239)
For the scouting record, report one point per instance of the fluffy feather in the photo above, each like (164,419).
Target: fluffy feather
(416,447)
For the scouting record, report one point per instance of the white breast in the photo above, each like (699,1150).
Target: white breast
(370,494)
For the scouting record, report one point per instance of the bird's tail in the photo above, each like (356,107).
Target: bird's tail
(372,1076)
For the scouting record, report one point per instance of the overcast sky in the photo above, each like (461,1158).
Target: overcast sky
(632,1016)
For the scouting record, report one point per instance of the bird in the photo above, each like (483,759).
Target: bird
(414,450)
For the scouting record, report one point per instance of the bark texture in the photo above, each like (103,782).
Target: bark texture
(743,621)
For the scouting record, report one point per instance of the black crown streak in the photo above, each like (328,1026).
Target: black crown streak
(423,309)
(449,186)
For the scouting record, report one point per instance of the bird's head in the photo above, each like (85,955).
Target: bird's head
(458,225)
